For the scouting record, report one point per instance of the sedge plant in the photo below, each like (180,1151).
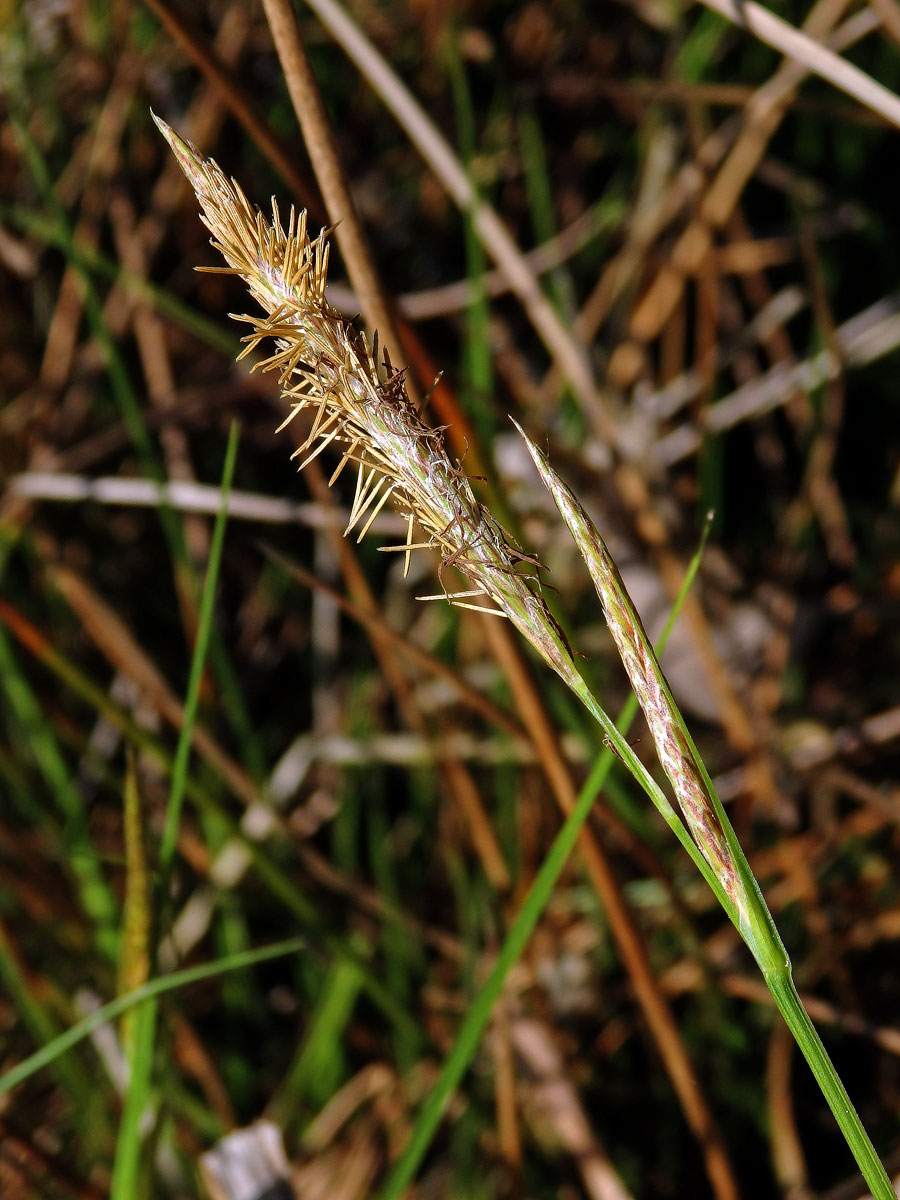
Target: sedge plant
(360,408)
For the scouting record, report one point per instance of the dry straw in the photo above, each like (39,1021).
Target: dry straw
(360,407)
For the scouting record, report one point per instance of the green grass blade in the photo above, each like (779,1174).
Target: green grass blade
(476,375)
(316,1071)
(56,1047)
(137,917)
(128,1144)
(192,699)
(540,200)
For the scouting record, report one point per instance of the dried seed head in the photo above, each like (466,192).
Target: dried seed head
(361,408)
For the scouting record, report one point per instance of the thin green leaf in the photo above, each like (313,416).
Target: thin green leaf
(128,1144)
(56,1047)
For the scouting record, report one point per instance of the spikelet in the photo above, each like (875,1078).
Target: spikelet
(361,408)
(677,755)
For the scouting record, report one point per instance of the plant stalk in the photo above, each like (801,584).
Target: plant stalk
(784,992)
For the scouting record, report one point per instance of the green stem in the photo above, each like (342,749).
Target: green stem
(757,927)
(781,985)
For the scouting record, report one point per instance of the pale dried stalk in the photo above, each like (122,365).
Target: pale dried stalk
(796,44)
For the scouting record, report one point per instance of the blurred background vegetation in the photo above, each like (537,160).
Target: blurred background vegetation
(719,237)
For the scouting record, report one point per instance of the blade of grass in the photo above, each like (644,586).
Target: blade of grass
(134,951)
(315,1074)
(56,1047)
(128,1144)
(400,954)
(230,930)
(700,48)
(539,187)
(476,374)
(472,1029)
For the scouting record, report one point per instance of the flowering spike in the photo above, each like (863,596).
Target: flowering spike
(361,404)
(676,752)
